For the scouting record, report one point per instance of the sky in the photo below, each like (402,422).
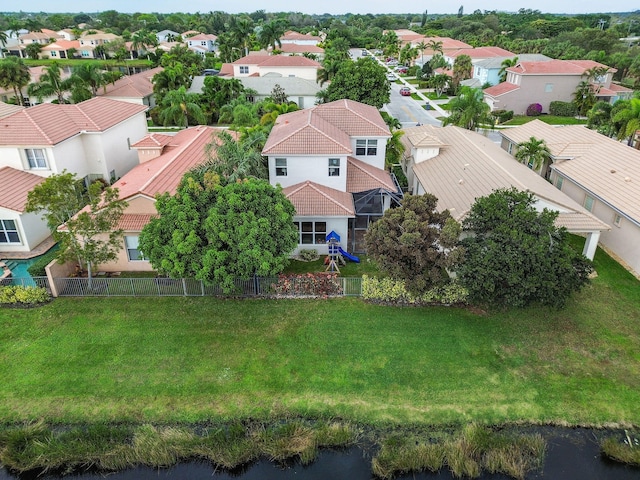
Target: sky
(329,6)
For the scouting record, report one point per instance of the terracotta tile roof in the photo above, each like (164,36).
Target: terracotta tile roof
(362,176)
(482,52)
(472,166)
(132,86)
(50,124)
(612,91)
(448,44)
(603,166)
(445,71)
(162,174)
(277,61)
(324,129)
(21,183)
(226,70)
(556,67)
(614,87)
(62,45)
(312,199)
(131,222)
(204,36)
(291,35)
(501,89)
(153,140)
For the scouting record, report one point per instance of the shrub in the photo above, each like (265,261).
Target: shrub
(502,116)
(563,109)
(308,255)
(322,284)
(37,268)
(19,295)
(534,110)
(388,290)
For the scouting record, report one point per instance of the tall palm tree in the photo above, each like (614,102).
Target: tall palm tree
(241,30)
(329,69)
(88,78)
(235,160)
(462,69)
(14,74)
(506,63)
(33,50)
(270,34)
(178,105)
(421,47)
(50,84)
(469,110)
(273,110)
(395,149)
(3,41)
(533,153)
(435,46)
(584,97)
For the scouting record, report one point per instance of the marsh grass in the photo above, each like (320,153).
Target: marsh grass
(466,453)
(38,446)
(626,451)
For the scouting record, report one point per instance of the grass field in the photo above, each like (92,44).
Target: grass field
(192,359)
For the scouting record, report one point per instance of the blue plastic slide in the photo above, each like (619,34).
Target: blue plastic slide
(348,256)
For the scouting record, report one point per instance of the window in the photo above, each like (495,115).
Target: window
(36,158)
(510,148)
(84,53)
(617,220)
(312,233)
(366,147)
(281,167)
(548,88)
(203,43)
(244,69)
(334,167)
(54,53)
(9,232)
(559,181)
(112,177)
(133,253)
(588,203)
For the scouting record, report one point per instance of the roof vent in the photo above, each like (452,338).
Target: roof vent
(461,181)
(613,170)
(627,179)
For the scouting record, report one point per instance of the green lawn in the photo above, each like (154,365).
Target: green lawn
(190,359)
(550,119)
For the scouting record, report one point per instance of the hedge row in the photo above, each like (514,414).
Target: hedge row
(19,295)
(387,290)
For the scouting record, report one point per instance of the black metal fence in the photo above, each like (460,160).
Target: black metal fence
(165,287)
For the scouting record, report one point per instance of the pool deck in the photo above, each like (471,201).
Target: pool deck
(43,247)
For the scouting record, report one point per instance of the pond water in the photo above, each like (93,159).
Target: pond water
(572,454)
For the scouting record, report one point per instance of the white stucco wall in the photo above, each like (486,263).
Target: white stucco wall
(375,160)
(315,169)
(340,225)
(31,229)
(310,73)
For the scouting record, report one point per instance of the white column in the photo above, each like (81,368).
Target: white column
(590,244)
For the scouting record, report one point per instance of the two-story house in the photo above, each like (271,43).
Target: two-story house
(90,139)
(89,42)
(329,159)
(599,173)
(282,65)
(458,166)
(202,43)
(553,80)
(488,69)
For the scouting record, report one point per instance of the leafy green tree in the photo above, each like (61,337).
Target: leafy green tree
(270,33)
(439,83)
(533,153)
(515,255)
(87,78)
(14,74)
(89,237)
(469,110)
(33,50)
(584,97)
(218,92)
(628,117)
(273,110)
(415,243)
(364,81)
(218,233)
(600,119)
(50,84)
(3,42)
(395,149)
(172,77)
(178,106)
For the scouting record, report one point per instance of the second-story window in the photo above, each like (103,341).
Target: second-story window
(281,167)
(366,147)
(334,167)
(244,69)
(36,158)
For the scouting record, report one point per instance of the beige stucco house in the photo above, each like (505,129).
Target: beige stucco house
(136,88)
(548,81)
(599,173)
(458,166)
(283,65)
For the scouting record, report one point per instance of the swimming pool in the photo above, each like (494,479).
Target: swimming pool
(20,269)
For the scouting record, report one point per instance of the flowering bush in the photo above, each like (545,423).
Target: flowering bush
(387,290)
(317,284)
(19,295)
(534,110)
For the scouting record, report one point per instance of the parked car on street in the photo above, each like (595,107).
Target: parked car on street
(391,61)
(401,69)
(405,91)
(392,77)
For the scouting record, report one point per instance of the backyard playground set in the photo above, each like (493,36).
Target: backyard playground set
(337,254)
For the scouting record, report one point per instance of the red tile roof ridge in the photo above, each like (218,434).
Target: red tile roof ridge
(318,189)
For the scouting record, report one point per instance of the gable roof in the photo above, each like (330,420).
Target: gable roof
(162,174)
(471,166)
(277,61)
(496,62)
(601,165)
(138,85)
(50,124)
(296,48)
(481,52)
(292,36)
(324,129)
(556,67)
(312,199)
(15,198)
(501,89)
